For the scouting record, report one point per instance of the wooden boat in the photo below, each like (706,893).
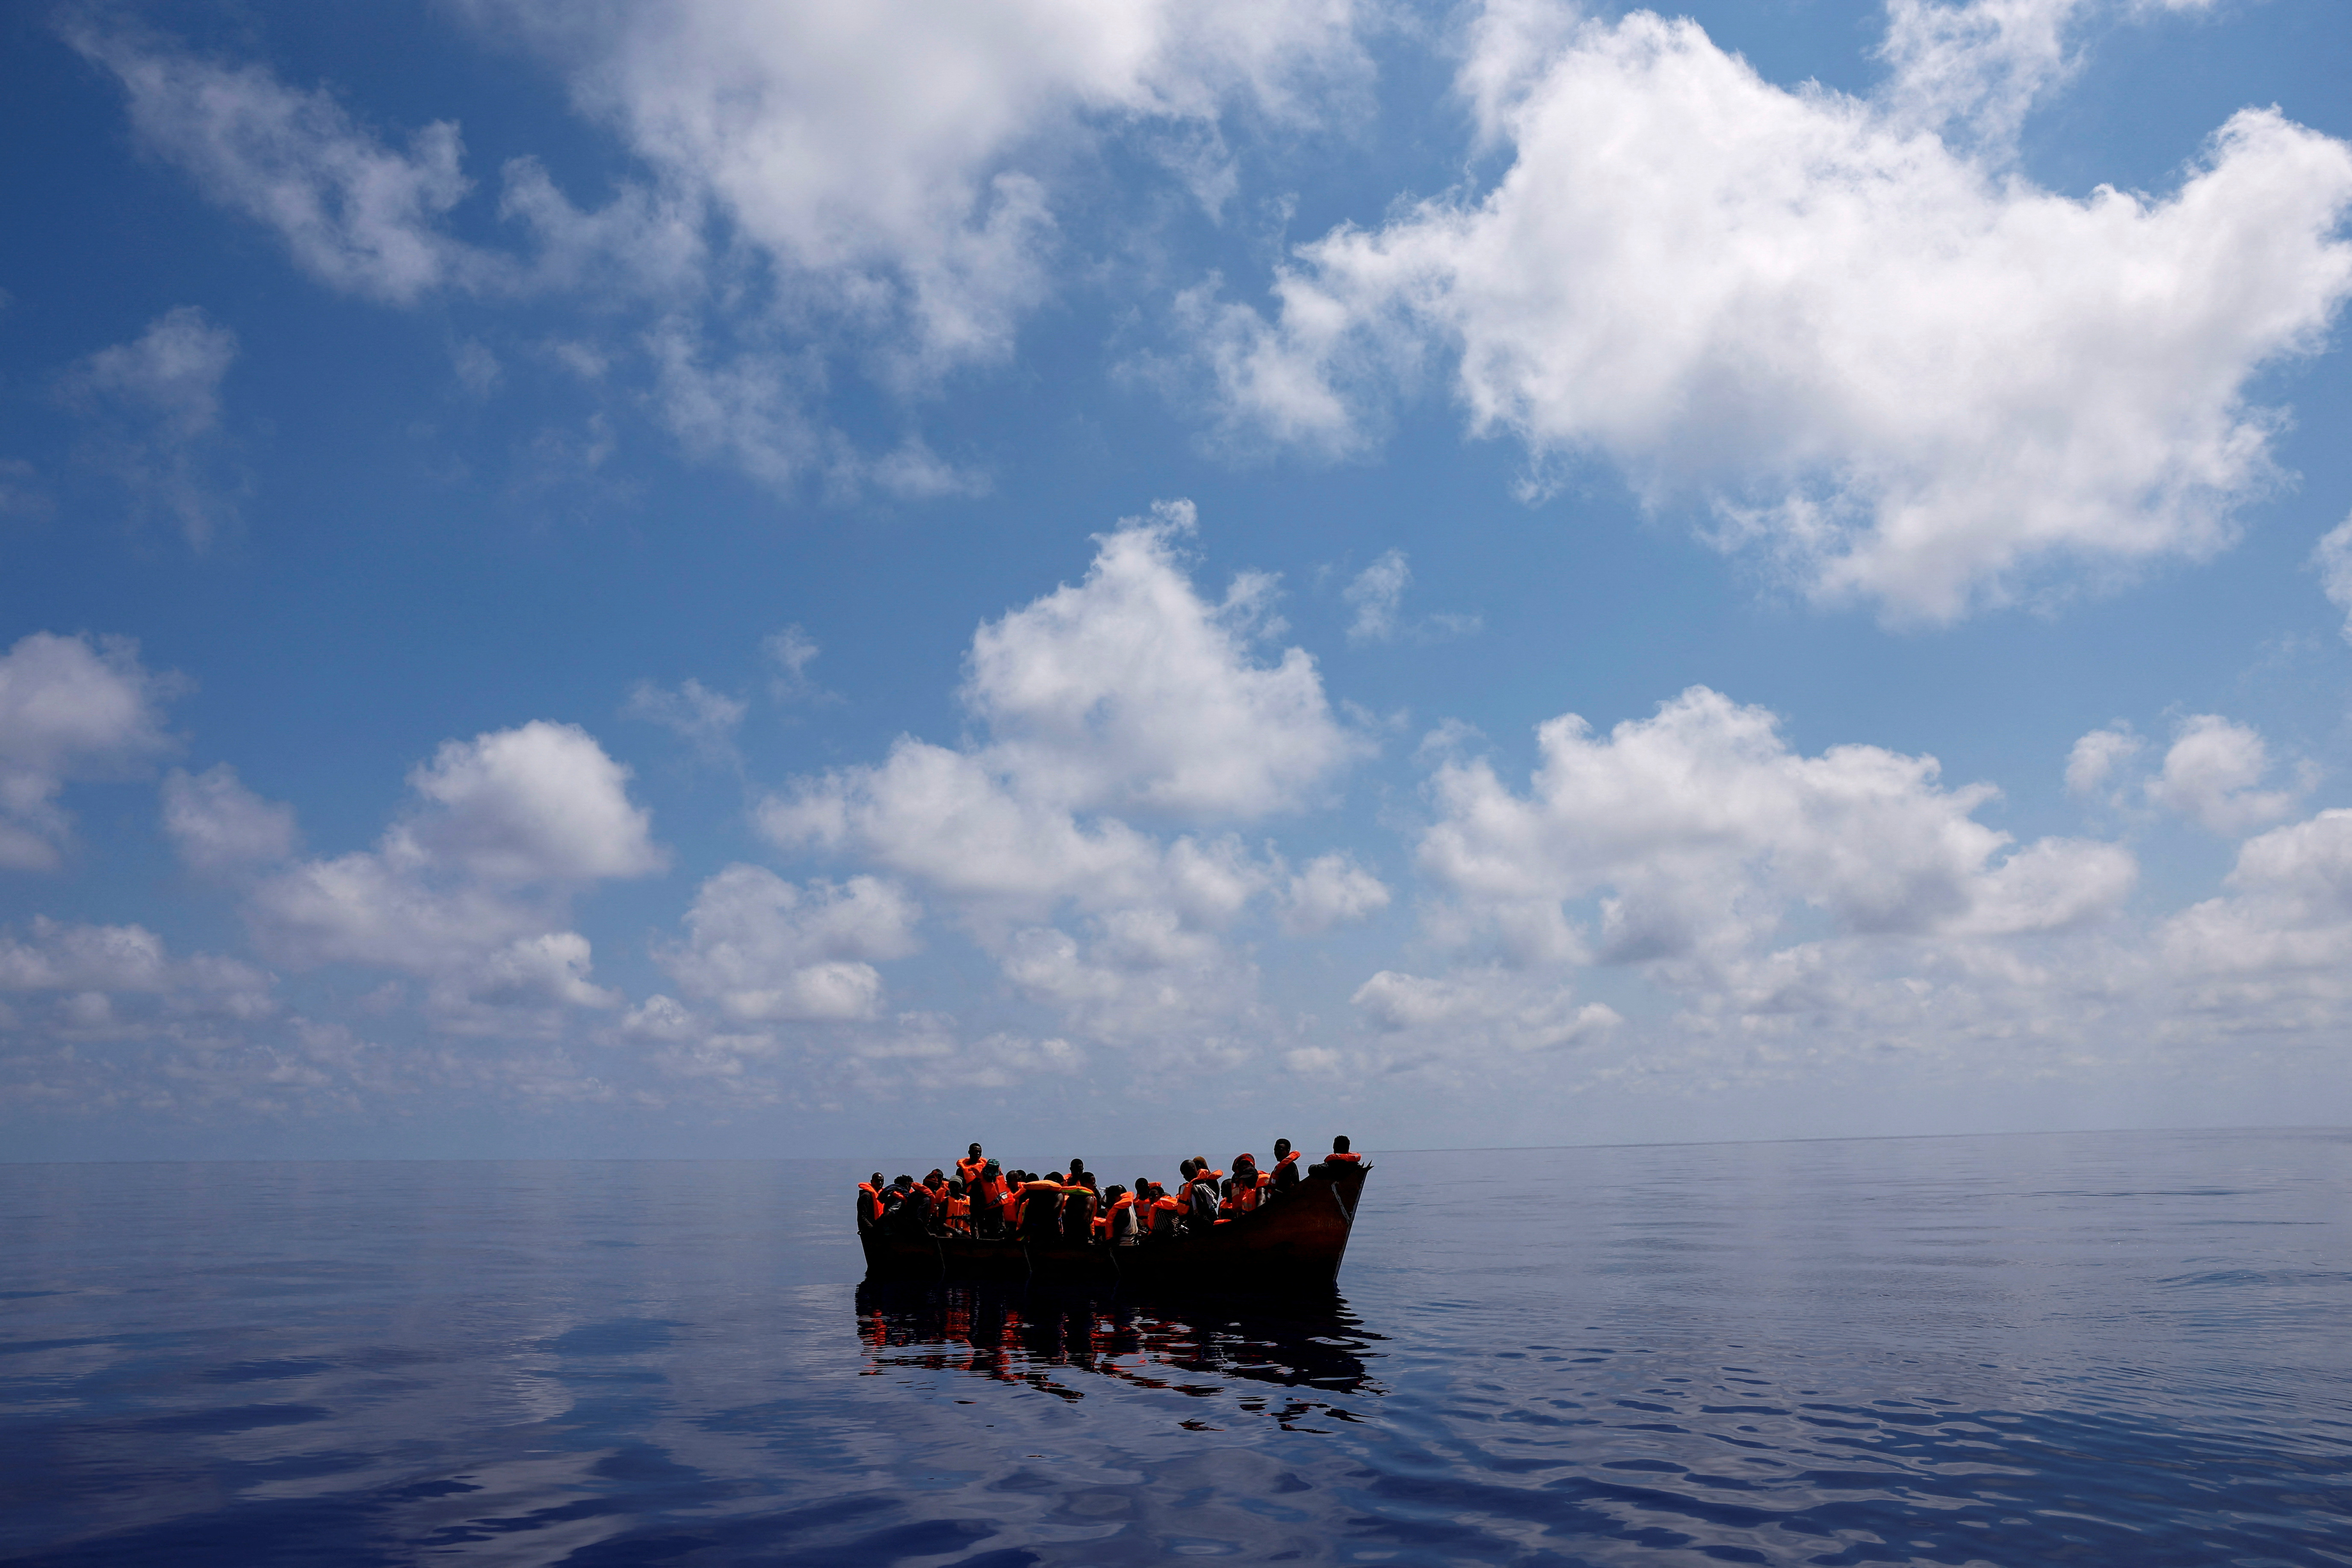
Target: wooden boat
(1296,1241)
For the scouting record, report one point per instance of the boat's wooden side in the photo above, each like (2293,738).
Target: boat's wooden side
(1299,1240)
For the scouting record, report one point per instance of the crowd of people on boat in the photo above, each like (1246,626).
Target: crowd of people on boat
(984,1200)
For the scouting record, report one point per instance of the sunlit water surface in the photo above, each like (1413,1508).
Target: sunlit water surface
(2114,1349)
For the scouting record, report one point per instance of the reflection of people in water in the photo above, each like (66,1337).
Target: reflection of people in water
(1036,1337)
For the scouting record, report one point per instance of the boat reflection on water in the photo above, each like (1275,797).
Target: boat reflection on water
(1299,1362)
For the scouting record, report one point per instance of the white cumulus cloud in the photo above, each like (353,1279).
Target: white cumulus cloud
(1490,1006)
(2333,557)
(219,827)
(1376,595)
(2274,952)
(2095,757)
(470,890)
(97,978)
(703,719)
(70,708)
(1902,374)
(355,213)
(158,399)
(2211,774)
(761,950)
(1331,890)
(1697,834)
(1126,698)
(893,158)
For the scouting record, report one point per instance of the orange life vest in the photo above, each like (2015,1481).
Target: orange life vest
(1343,1157)
(1245,1193)
(1043,1187)
(956,1213)
(969,1169)
(869,1202)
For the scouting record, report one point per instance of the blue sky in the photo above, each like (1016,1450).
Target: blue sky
(714,578)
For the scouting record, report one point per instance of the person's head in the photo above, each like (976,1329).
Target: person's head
(935,1177)
(1340,1144)
(875,1179)
(1281,1147)
(992,1169)
(1244,1162)
(1113,1193)
(955,1186)
(1186,1169)
(972,1152)
(904,1182)
(1086,1180)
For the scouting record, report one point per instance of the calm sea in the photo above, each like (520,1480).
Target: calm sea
(2111,1348)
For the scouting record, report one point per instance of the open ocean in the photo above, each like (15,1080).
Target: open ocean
(2125,1348)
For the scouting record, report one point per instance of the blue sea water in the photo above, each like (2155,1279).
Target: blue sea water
(2102,1349)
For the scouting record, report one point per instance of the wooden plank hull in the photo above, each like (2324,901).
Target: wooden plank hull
(1298,1241)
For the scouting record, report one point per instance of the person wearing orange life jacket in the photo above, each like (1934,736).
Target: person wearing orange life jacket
(869,1202)
(1079,1205)
(910,1207)
(1200,1196)
(1285,1174)
(1225,1188)
(1041,1209)
(955,1211)
(1009,1207)
(1167,1212)
(1340,1158)
(1247,1187)
(968,1169)
(987,1192)
(1118,1225)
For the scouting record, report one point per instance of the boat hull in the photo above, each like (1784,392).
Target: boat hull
(1298,1241)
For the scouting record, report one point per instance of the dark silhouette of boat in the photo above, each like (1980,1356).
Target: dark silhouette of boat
(1296,1241)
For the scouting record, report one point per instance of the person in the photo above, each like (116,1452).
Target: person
(1285,1174)
(914,1211)
(1202,1197)
(987,1192)
(970,1167)
(1078,1206)
(1041,1208)
(955,1211)
(1242,1192)
(1014,1180)
(869,1202)
(1119,1224)
(1340,1158)
(936,1184)
(1166,1212)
